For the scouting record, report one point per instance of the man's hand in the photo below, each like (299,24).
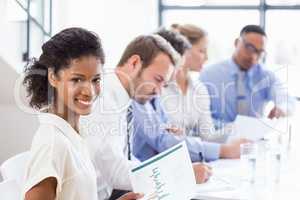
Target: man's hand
(276,113)
(131,196)
(232,149)
(202,172)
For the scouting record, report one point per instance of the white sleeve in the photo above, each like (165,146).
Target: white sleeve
(201,101)
(43,164)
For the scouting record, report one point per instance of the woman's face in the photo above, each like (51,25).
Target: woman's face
(197,55)
(78,86)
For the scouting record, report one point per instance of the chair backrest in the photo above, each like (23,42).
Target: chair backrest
(14,168)
(10,190)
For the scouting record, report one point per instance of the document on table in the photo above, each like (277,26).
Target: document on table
(222,185)
(256,128)
(167,176)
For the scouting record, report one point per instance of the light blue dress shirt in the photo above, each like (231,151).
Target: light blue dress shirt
(261,87)
(151,137)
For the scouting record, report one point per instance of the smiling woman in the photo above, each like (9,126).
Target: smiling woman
(62,84)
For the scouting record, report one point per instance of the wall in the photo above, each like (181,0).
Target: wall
(16,131)
(12,34)
(117,22)
(16,126)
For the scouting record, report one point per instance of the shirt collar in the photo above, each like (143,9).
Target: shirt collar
(114,97)
(234,68)
(175,87)
(63,126)
(192,82)
(122,94)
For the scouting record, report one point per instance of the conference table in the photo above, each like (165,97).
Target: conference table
(230,179)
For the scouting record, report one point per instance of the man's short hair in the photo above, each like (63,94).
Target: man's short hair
(178,41)
(148,47)
(253,29)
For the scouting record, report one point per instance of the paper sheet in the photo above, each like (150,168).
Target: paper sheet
(167,176)
(256,128)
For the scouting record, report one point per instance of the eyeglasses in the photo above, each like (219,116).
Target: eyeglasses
(250,48)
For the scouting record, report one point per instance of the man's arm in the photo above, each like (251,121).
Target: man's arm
(148,123)
(278,93)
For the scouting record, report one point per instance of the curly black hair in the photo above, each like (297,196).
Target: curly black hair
(57,54)
(177,41)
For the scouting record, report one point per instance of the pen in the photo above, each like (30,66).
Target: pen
(201,158)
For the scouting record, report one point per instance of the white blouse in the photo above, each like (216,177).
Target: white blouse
(59,151)
(191,111)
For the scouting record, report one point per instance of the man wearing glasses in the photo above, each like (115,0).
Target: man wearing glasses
(241,85)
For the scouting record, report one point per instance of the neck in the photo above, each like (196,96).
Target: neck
(238,63)
(125,80)
(182,78)
(68,115)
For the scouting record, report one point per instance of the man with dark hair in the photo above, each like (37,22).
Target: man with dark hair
(151,136)
(178,41)
(241,85)
(252,29)
(145,66)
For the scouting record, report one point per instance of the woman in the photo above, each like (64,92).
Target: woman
(63,85)
(185,100)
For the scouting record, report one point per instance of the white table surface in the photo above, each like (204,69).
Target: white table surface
(228,180)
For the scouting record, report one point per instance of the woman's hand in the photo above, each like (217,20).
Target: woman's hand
(131,196)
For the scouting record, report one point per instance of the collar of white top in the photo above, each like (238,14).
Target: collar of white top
(174,85)
(63,126)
